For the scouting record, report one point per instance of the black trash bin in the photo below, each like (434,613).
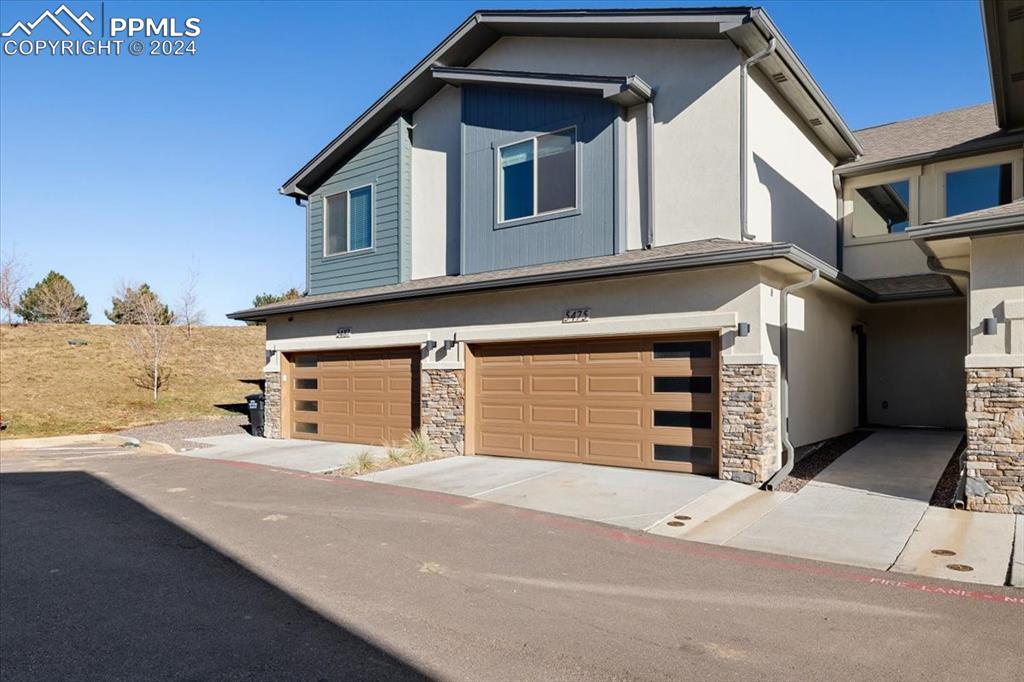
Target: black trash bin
(256,406)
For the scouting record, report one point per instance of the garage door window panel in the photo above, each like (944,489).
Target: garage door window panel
(683,453)
(306,406)
(681,419)
(682,384)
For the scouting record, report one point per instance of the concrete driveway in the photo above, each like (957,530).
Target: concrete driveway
(302,455)
(632,498)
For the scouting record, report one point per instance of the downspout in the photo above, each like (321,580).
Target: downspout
(648,236)
(788,457)
(744,152)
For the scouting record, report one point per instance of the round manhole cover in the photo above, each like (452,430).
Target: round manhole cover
(959,567)
(943,552)
(681,517)
(676,523)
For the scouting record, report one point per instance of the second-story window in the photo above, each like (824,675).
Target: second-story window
(881,209)
(537,176)
(977,188)
(348,221)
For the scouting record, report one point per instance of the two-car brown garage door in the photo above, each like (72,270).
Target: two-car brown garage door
(646,403)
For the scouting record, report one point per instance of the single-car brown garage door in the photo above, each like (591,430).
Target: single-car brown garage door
(364,396)
(648,403)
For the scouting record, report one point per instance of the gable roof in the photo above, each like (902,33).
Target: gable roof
(948,134)
(749,28)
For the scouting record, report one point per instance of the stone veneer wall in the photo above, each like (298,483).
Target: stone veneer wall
(443,408)
(272,407)
(749,422)
(995,440)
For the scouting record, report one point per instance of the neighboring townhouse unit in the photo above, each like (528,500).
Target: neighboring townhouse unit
(646,238)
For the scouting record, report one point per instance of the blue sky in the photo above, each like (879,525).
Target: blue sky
(134,168)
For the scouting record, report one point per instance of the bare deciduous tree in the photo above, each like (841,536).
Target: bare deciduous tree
(148,343)
(12,278)
(189,313)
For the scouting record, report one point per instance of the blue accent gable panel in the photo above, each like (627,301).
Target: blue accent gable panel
(378,226)
(493,117)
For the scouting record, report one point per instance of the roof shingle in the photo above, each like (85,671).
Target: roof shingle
(946,133)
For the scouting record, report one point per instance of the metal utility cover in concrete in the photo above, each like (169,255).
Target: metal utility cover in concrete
(977,541)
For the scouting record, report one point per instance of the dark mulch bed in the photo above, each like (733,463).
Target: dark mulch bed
(820,456)
(944,491)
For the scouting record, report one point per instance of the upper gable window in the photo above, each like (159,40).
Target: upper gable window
(348,221)
(537,176)
(977,188)
(881,209)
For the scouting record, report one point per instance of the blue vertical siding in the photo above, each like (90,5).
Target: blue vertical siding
(494,116)
(384,163)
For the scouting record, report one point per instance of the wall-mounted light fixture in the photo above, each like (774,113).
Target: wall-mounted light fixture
(429,345)
(989,326)
(449,344)
(743,329)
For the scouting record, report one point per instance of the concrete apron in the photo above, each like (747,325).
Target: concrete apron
(310,456)
(869,508)
(632,498)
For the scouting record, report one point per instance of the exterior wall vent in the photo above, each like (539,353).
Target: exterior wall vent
(1017,77)
(814,121)
(1015,14)
(779,77)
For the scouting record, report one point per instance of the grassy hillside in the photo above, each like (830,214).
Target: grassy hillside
(49,387)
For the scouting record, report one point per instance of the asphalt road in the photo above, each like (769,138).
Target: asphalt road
(140,566)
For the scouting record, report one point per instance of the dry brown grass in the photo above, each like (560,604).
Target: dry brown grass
(48,387)
(416,448)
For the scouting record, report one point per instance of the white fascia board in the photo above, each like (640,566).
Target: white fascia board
(635,325)
(354,342)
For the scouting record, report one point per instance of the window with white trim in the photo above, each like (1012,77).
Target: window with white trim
(348,221)
(537,176)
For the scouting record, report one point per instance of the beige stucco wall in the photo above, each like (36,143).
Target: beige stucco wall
(791,194)
(822,357)
(436,188)
(634,305)
(696,122)
(997,290)
(896,255)
(915,363)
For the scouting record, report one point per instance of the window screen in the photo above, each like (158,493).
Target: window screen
(556,171)
(336,222)
(361,218)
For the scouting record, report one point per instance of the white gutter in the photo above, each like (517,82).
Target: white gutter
(744,151)
(788,457)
